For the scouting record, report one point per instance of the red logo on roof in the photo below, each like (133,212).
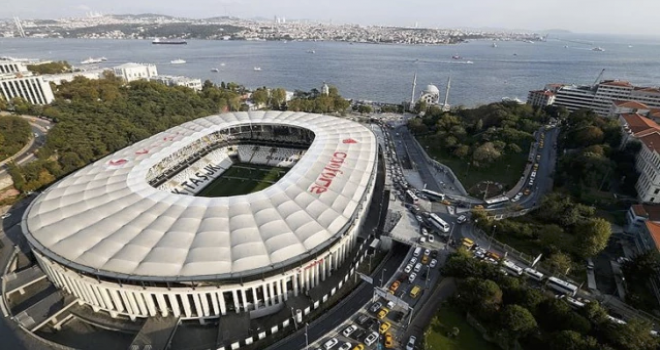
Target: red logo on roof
(349,141)
(117,162)
(143,151)
(168,138)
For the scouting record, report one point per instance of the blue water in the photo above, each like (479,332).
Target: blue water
(377,72)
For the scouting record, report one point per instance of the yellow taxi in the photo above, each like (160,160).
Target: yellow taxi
(359,347)
(384,327)
(389,341)
(382,313)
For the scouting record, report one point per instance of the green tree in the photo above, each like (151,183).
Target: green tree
(517,320)
(571,340)
(556,315)
(634,335)
(559,263)
(461,151)
(364,109)
(592,236)
(416,126)
(486,153)
(595,313)
(260,97)
(480,295)
(278,97)
(50,67)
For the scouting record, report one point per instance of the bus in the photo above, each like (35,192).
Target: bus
(468,243)
(512,268)
(411,196)
(533,274)
(434,195)
(574,303)
(497,200)
(438,223)
(562,286)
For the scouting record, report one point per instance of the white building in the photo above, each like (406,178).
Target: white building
(637,128)
(169,80)
(135,71)
(541,98)
(57,79)
(430,95)
(599,97)
(17,81)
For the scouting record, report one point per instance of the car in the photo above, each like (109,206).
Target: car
(422,239)
(538,157)
(418,267)
(345,346)
(408,268)
(359,347)
(349,330)
(531,182)
(536,166)
(411,343)
(331,343)
(527,192)
(394,286)
(384,327)
(431,238)
(425,260)
(425,232)
(390,305)
(389,340)
(383,312)
(461,219)
(362,320)
(433,263)
(427,252)
(371,338)
(412,277)
(413,261)
(419,218)
(376,306)
(5,215)
(517,197)
(533,174)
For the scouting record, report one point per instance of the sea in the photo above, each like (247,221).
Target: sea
(372,72)
(377,72)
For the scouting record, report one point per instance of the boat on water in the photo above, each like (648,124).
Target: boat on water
(456,57)
(311,51)
(257,69)
(494,45)
(469,62)
(215,70)
(178,61)
(222,64)
(157,41)
(598,48)
(528,41)
(92,60)
(566,46)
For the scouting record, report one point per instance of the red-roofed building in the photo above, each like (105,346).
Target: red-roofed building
(627,107)
(541,98)
(637,128)
(649,238)
(639,214)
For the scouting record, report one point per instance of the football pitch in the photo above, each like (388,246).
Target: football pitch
(243,178)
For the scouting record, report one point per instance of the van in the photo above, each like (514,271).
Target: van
(418,251)
(415,292)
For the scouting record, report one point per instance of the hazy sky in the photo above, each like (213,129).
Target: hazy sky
(584,16)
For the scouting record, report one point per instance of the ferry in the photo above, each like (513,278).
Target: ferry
(257,69)
(178,61)
(169,42)
(92,60)
(457,57)
(215,70)
(598,48)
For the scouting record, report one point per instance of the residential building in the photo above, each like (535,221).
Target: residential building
(135,71)
(637,128)
(541,98)
(638,215)
(17,81)
(169,80)
(57,79)
(649,237)
(599,97)
(628,107)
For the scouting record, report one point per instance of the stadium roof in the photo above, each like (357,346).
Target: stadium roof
(106,219)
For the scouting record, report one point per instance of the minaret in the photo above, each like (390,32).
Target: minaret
(445,105)
(412,95)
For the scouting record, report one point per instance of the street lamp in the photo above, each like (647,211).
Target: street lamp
(492,236)
(306,337)
(382,274)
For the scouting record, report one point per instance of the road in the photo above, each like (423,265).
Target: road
(40,128)
(337,315)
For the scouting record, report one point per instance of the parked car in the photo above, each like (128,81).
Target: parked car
(5,215)
(412,277)
(389,341)
(349,330)
(408,268)
(384,327)
(383,312)
(433,263)
(461,219)
(345,346)
(376,306)
(331,343)
(359,347)
(411,343)
(371,338)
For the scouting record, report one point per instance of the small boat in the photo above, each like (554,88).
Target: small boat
(257,69)
(157,41)
(528,41)
(629,46)
(456,57)
(222,64)
(311,51)
(103,59)
(566,46)
(494,45)
(469,62)
(515,54)
(598,48)
(178,61)
(215,70)
(91,60)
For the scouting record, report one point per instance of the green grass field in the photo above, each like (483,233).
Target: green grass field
(468,338)
(243,178)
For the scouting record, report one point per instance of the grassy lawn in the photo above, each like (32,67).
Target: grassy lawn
(468,339)
(242,179)
(507,170)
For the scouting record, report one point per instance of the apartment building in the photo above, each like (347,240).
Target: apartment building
(17,81)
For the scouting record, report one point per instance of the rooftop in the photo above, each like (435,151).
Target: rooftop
(639,125)
(630,104)
(651,212)
(654,231)
(616,83)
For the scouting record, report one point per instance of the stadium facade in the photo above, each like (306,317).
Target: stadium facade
(127,235)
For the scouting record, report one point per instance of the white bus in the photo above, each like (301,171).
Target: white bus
(562,286)
(411,196)
(574,303)
(533,274)
(434,195)
(512,268)
(496,200)
(438,223)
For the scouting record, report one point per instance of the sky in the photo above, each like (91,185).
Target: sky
(581,16)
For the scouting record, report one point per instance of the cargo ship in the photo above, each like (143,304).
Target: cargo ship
(169,42)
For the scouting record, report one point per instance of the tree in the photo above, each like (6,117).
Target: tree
(556,315)
(634,335)
(517,320)
(416,126)
(592,236)
(364,109)
(571,340)
(278,97)
(260,97)
(461,151)
(643,266)
(595,313)
(559,263)
(480,295)
(486,153)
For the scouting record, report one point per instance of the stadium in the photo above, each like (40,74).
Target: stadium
(229,213)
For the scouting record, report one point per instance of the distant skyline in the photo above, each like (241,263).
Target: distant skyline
(583,16)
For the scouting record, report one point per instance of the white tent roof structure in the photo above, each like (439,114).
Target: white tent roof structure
(107,219)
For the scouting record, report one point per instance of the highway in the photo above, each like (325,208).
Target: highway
(335,316)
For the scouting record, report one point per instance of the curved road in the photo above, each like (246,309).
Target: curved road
(39,127)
